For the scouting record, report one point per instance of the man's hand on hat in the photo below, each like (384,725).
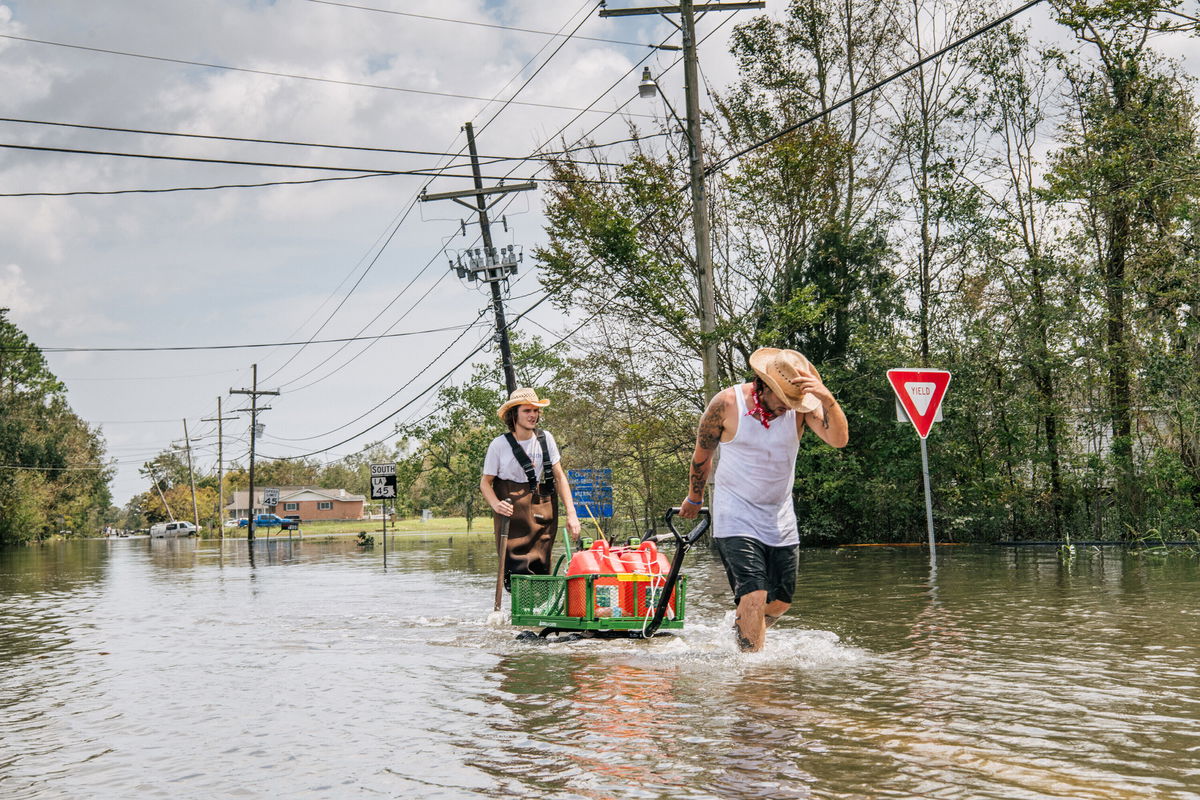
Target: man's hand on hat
(814,386)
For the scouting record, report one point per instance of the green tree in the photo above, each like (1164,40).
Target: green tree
(452,443)
(52,471)
(1129,165)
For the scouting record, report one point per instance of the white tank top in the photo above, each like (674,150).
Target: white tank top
(752,487)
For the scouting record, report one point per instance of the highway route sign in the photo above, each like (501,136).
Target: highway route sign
(383,481)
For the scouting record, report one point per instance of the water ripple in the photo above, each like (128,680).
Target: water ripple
(179,670)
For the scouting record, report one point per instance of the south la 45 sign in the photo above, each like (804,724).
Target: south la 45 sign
(920,392)
(383,481)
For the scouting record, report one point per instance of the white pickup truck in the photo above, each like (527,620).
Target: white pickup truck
(167,530)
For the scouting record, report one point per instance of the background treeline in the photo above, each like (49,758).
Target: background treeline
(170,482)
(53,476)
(1025,216)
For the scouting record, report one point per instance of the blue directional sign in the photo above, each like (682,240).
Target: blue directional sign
(591,489)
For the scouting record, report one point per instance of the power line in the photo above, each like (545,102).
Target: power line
(378,253)
(541,155)
(393,394)
(429,172)
(509,325)
(391,414)
(363,351)
(412,204)
(95,192)
(275,74)
(719,165)
(14,348)
(231,162)
(420,394)
(78,468)
(589,146)
(252,140)
(477,24)
(536,72)
(583,6)
(611,298)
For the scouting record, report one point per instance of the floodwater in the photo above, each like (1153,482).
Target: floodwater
(144,669)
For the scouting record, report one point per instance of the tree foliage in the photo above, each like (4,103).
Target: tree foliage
(53,475)
(923,224)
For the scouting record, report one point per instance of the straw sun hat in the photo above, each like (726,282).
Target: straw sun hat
(521,397)
(777,367)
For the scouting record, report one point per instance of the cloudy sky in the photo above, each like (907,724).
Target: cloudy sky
(282,263)
(89,262)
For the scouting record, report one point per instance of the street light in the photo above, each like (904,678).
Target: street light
(647,88)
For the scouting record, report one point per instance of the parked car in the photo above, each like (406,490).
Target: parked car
(272,521)
(167,530)
(235,523)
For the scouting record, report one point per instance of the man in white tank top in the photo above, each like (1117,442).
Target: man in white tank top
(757,427)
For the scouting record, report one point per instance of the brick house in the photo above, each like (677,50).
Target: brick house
(306,502)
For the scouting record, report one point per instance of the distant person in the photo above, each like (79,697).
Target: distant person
(757,426)
(524,482)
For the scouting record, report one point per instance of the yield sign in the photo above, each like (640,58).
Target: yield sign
(920,391)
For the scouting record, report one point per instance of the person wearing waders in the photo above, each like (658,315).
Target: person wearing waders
(523,482)
(757,427)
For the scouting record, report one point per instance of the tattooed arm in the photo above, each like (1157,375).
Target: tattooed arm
(827,422)
(708,436)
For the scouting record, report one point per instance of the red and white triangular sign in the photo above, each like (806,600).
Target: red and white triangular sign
(920,391)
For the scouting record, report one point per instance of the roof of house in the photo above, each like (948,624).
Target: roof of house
(292,494)
(312,493)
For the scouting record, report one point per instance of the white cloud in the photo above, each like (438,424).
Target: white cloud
(16,295)
(255,265)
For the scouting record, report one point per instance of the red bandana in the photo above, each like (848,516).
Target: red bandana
(760,412)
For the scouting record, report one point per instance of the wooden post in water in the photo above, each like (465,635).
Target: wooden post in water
(220,468)
(254,392)
(928,507)
(191,478)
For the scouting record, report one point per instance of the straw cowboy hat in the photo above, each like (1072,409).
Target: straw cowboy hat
(777,367)
(521,397)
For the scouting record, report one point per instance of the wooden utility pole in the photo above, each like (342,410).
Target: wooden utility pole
(163,497)
(254,392)
(220,468)
(489,265)
(191,478)
(701,223)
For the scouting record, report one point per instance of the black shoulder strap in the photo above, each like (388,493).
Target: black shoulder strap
(522,459)
(526,464)
(547,470)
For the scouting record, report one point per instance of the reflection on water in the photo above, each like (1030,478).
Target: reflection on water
(179,668)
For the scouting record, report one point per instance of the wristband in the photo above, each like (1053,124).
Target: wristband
(691,501)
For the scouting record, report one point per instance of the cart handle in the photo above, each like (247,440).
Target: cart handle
(704,519)
(684,543)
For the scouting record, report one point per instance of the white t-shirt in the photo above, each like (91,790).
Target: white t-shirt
(501,463)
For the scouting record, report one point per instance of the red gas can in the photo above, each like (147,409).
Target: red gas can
(657,566)
(598,560)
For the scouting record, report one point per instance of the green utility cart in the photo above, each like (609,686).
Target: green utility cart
(637,605)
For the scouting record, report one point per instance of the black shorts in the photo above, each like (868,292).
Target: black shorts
(752,566)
